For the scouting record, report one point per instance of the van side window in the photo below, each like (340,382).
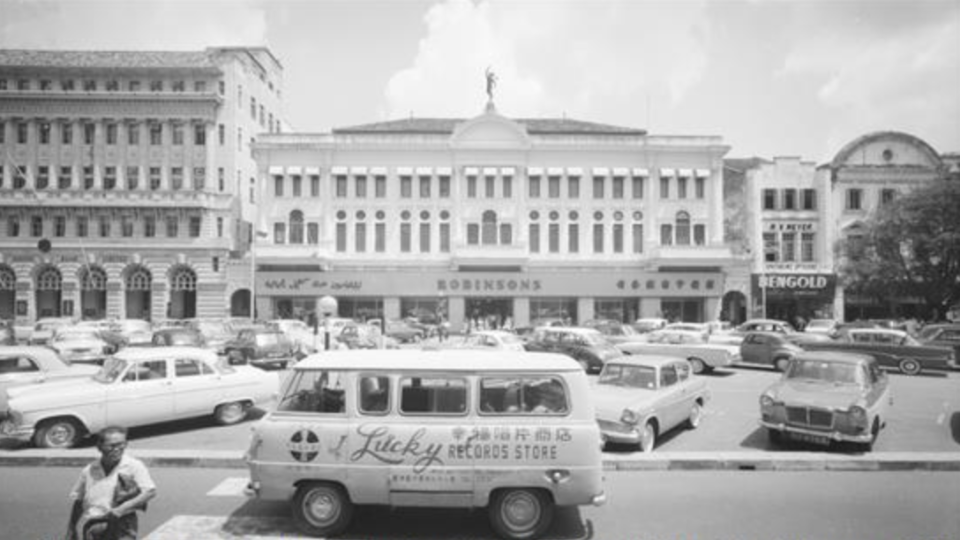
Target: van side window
(374,394)
(314,391)
(522,395)
(419,395)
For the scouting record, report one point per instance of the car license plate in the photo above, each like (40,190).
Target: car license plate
(814,439)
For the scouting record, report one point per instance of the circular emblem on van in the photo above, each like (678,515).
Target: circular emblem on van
(304,445)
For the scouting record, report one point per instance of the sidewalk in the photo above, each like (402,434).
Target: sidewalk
(657,461)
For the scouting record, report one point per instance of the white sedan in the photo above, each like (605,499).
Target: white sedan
(135,387)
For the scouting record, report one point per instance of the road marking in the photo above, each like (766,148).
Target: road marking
(225,527)
(231,487)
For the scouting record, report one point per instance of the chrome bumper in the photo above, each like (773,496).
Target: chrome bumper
(832,435)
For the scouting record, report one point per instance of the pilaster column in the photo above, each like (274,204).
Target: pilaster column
(210,128)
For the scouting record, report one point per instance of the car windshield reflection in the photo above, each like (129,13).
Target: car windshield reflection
(629,376)
(111,369)
(829,372)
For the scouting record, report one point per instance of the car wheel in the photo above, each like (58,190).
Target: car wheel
(781,364)
(909,366)
(697,365)
(874,433)
(520,513)
(775,437)
(322,509)
(58,433)
(696,415)
(648,437)
(230,413)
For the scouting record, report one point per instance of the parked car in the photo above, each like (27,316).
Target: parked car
(769,349)
(766,325)
(77,344)
(827,396)
(403,332)
(134,332)
(585,345)
(548,321)
(177,336)
(649,325)
(366,336)
(216,333)
(821,326)
(262,347)
(691,346)
(617,333)
(22,364)
(891,348)
(8,335)
(298,331)
(135,387)
(494,340)
(640,398)
(941,335)
(44,329)
(105,329)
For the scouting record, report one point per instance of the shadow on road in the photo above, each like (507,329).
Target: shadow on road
(182,426)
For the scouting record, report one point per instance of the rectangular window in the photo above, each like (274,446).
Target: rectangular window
(221,134)
(36,226)
(155,178)
(44,128)
(177,86)
(573,187)
(433,395)
(221,87)
(854,199)
(66,133)
(156,133)
(489,187)
(809,201)
(406,187)
(701,187)
(424,238)
(67,85)
(405,241)
(380,237)
(341,237)
(133,177)
(618,238)
(253,107)
(297,185)
(806,247)
(553,237)
(425,182)
(113,85)
(771,247)
(279,233)
(278,186)
(789,199)
(177,134)
(665,187)
(43,176)
(60,226)
(553,187)
(3,132)
(598,182)
(176,178)
(769,199)
(88,178)
(617,187)
(83,226)
(46,85)
(534,187)
(472,187)
(65,179)
(199,86)
(199,178)
(314,185)
(109,178)
(360,237)
(699,234)
(444,189)
(638,238)
(444,238)
(149,226)
(19,178)
(219,227)
(221,179)
(380,187)
(126,226)
(90,85)
(104,227)
(134,86)
(341,187)
(681,188)
(598,238)
(360,185)
(789,241)
(887,196)
(534,239)
(13,226)
(173,227)
(111,134)
(313,233)
(22,133)
(506,234)
(666,234)
(507,185)
(89,133)
(473,234)
(200,134)
(133,134)
(573,238)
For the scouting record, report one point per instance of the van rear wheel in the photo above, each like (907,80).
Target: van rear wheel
(322,509)
(520,514)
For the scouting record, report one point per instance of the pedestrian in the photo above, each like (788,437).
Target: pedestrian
(109,492)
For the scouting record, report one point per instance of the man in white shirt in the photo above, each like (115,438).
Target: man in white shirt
(110,491)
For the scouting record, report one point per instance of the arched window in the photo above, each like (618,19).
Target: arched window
(683,228)
(8,279)
(489,233)
(139,279)
(49,279)
(93,279)
(296,227)
(183,279)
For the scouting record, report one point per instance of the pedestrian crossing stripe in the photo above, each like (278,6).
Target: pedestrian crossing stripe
(226,528)
(231,487)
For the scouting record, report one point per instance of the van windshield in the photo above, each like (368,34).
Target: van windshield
(314,391)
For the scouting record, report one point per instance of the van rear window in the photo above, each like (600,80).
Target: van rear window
(444,395)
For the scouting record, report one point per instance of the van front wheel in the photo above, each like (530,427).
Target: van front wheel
(520,514)
(322,509)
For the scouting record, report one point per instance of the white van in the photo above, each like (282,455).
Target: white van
(511,431)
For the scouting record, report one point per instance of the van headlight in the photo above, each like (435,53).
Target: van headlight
(629,417)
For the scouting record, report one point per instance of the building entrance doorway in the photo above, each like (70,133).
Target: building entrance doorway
(49,283)
(8,293)
(489,313)
(93,293)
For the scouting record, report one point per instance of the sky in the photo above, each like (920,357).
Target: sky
(772,77)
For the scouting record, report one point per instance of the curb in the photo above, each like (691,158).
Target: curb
(661,461)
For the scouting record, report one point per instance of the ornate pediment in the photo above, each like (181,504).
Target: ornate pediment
(490,130)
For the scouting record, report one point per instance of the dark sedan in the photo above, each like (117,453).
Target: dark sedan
(941,335)
(262,347)
(891,348)
(768,348)
(177,337)
(585,345)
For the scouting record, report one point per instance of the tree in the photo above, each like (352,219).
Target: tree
(910,248)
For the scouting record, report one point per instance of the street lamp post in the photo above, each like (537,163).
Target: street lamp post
(327,306)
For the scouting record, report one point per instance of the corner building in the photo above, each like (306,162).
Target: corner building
(506,220)
(137,169)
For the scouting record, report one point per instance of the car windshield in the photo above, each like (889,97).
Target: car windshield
(824,371)
(267,339)
(73,335)
(594,338)
(628,376)
(111,369)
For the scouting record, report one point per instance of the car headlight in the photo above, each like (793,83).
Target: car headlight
(858,416)
(629,417)
(766,400)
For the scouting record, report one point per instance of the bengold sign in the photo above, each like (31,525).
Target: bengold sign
(795,284)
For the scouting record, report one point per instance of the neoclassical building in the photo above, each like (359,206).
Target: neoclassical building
(125,178)
(491,217)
